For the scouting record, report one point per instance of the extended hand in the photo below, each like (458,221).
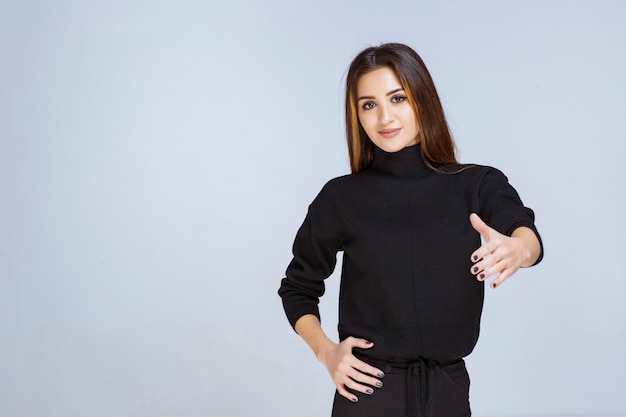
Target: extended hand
(499,255)
(349,372)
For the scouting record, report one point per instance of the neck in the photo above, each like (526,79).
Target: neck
(407,162)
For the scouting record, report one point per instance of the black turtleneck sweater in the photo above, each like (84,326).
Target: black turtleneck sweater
(406,239)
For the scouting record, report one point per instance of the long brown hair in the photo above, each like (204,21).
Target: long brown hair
(436,142)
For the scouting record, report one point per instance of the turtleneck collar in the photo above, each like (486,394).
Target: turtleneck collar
(407,162)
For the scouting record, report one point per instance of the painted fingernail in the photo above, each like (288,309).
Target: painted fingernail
(354,399)
(481,276)
(475,257)
(381,375)
(475,269)
(494,285)
(369,391)
(379,384)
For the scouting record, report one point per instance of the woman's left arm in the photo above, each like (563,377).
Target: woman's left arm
(502,255)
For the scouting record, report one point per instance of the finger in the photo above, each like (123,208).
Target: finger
(477,269)
(504,275)
(482,276)
(486,274)
(368,369)
(487,268)
(360,343)
(347,394)
(478,254)
(499,270)
(496,283)
(364,368)
(347,379)
(357,386)
(482,228)
(484,265)
(482,257)
(366,374)
(479,225)
(360,365)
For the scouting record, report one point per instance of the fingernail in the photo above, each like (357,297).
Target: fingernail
(381,375)
(354,399)
(475,257)
(379,384)
(481,276)
(369,342)
(475,269)
(369,391)
(494,285)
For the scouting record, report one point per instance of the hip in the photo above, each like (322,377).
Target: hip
(412,388)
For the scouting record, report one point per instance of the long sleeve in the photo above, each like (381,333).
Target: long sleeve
(314,259)
(501,207)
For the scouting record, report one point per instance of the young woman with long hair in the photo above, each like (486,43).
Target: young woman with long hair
(409,221)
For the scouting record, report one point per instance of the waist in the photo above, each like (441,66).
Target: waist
(402,365)
(428,382)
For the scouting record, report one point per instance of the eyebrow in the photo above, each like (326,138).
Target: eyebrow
(388,94)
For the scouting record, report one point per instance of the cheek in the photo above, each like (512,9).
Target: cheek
(367,121)
(408,113)
(410,119)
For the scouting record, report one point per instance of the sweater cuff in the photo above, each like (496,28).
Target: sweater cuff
(295,311)
(532,227)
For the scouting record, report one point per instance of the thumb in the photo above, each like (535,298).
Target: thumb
(479,225)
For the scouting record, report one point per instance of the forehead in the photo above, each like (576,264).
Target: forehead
(378,81)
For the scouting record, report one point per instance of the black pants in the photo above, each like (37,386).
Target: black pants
(419,388)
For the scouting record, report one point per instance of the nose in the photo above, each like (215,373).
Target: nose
(385,114)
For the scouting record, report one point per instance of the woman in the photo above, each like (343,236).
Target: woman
(409,221)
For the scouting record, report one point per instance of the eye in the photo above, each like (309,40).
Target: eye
(368,105)
(398,99)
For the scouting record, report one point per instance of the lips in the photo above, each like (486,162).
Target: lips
(389,133)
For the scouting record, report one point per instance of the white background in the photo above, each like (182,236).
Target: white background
(157,158)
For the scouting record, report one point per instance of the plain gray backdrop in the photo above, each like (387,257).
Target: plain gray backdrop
(157,158)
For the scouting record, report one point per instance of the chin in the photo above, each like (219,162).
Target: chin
(392,147)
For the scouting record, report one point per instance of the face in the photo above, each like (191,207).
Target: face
(385,112)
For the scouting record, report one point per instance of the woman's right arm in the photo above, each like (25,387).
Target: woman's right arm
(314,257)
(345,369)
